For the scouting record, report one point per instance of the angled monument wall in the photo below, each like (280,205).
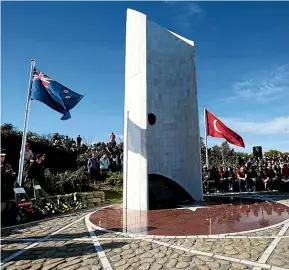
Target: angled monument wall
(159,80)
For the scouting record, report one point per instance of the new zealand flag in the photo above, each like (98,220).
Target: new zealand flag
(53,94)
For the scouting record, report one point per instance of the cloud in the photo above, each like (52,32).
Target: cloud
(279,125)
(194,9)
(188,13)
(263,86)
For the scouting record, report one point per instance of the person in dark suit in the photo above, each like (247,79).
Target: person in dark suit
(8,180)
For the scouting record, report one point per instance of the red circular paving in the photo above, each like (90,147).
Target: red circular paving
(228,215)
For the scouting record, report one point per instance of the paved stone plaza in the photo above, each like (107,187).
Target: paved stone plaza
(71,242)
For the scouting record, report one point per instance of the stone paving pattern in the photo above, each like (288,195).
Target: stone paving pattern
(33,230)
(103,234)
(280,255)
(268,232)
(39,228)
(8,249)
(143,255)
(134,254)
(66,255)
(246,249)
(77,230)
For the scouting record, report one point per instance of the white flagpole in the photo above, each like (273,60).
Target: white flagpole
(24,135)
(206,138)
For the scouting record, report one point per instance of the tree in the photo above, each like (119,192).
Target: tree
(215,156)
(272,153)
(7,127)
(222,155)
(245,155)
(203,151)
(48,136)
(229,155)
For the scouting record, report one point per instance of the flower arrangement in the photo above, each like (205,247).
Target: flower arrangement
(27,211)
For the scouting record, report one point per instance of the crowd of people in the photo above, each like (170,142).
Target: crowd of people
(255,174)
(105,157)
(101,158)
(67,143)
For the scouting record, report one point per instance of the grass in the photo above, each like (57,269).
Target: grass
(113,194)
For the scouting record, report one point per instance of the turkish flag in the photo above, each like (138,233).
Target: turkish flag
(215,128)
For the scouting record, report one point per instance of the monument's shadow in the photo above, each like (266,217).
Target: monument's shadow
(165,193)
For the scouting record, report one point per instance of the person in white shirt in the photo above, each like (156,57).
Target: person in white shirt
(104,163)
(28,155)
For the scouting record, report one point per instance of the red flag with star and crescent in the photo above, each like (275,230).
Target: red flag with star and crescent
(215,128)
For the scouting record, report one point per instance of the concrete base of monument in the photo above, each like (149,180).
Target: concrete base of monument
(217,215)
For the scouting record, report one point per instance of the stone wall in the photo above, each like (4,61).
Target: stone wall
(95,198)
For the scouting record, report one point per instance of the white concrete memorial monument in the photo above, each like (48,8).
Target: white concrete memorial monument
(161,124)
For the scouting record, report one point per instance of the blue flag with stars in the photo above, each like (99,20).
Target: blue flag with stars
(53,94)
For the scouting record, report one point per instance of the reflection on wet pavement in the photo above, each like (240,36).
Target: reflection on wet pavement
(217,215)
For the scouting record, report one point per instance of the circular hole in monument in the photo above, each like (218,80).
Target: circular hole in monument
(152,118)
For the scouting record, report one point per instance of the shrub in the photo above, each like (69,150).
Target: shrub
(82,159)
(76,178)
(54,183)
(66,182)
(114,178)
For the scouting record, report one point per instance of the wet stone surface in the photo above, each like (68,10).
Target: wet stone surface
(221,215)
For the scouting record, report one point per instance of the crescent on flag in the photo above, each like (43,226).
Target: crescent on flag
(215,126)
